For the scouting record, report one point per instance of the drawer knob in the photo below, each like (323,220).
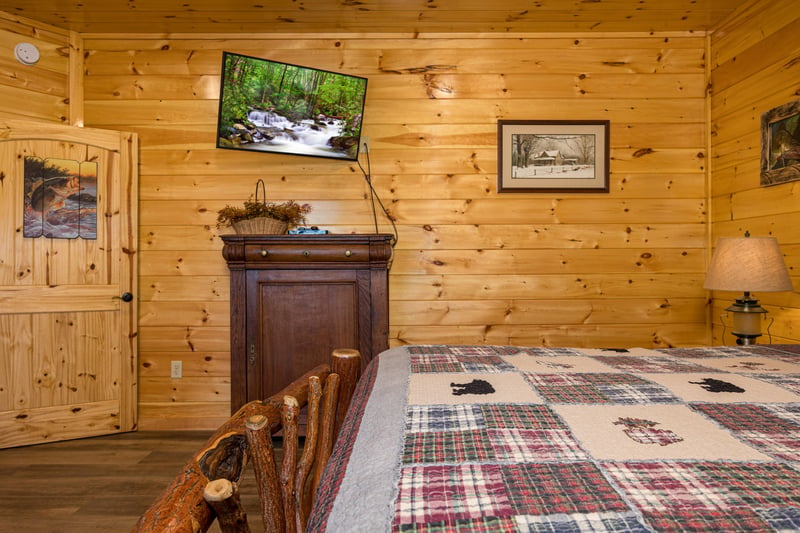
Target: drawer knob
(306,253)
(264,253)
(348,253)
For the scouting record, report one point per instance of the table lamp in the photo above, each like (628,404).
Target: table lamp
(748,264)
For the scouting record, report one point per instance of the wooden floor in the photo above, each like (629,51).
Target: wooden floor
(97,484)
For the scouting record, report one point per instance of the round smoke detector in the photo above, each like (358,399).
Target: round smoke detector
(26,53)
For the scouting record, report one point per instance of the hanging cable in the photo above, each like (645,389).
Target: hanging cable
(373,196)
(368,179)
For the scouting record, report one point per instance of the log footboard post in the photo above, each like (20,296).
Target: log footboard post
(223,496)
(289,414)
(259,444)
(347,363)
(327,419)
(302,497)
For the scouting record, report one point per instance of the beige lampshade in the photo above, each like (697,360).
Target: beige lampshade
(751,264)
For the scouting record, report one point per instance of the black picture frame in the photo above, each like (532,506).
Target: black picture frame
(274,107)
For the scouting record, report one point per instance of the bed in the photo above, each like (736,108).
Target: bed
(500,438)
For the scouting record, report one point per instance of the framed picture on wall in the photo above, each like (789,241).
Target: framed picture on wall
(552,155)
(780,144)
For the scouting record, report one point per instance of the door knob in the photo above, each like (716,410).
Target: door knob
(126,297)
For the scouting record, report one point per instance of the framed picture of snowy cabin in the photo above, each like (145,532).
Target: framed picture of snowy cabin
(552,156)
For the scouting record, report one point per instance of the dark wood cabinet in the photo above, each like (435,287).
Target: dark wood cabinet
(294,298)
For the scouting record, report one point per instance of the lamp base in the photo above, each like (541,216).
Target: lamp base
(746,319)
(746,340)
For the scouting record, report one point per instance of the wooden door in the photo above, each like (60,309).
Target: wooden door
(67,289)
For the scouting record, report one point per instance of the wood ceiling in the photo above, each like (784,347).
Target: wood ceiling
(374,16)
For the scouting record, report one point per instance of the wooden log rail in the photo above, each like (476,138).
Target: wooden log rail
(182,507)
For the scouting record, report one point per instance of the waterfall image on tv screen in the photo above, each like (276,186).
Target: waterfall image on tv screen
(268,106)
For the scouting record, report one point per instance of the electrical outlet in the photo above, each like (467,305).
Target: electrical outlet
(176,369)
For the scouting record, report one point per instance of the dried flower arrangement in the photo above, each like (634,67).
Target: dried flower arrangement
(290,212)
(286,213)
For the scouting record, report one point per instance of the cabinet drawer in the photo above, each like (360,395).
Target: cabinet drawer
(296,252)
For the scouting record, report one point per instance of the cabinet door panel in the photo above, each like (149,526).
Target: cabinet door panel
(299,318)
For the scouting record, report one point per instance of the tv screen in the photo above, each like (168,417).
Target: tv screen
(268,106)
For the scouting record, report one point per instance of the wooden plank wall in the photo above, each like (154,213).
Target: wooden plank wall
(39,91)
(755,64)
(471,265)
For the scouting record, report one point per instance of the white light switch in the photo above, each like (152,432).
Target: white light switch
(26,53)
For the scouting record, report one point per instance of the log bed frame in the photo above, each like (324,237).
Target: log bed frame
(207,486)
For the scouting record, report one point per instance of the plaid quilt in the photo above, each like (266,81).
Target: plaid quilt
(462,439)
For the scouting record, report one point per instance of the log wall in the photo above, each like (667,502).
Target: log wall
(41,91)
(755,61)
(472,266)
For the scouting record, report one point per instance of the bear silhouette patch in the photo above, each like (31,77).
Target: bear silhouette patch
(717,385)
(476,386)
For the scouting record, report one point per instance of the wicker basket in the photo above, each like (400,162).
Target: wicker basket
(260,225)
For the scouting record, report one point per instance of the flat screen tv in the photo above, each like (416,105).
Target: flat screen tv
(268,106)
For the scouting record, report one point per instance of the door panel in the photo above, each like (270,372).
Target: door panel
(300,324)
(67,340)
(296,318)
